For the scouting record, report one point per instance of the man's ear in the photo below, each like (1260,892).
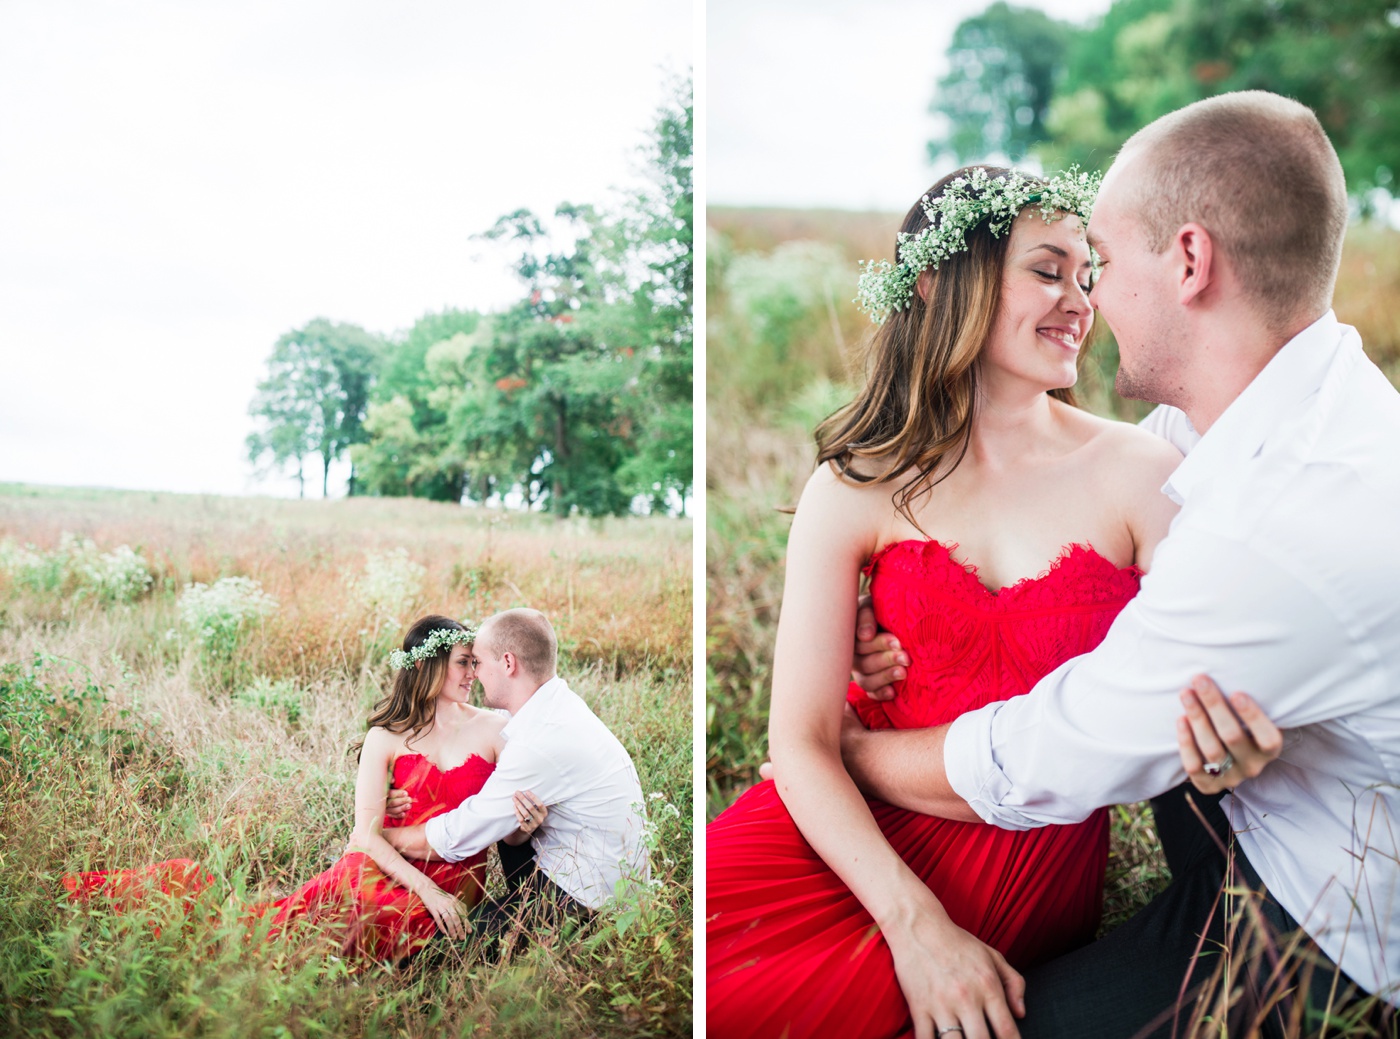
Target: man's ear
(509,663)
(1193,253)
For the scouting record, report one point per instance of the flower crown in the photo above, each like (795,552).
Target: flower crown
(438,639)
(964,203)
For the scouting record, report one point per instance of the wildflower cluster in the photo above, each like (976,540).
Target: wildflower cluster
(389,585)
(218,614)
(964,203)
(438,639)
(120,575)
(79,567)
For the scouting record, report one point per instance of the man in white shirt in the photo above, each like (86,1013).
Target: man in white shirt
(1220,228)
(590,847)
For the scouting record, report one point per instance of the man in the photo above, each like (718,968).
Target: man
(590,846)
(1220,229)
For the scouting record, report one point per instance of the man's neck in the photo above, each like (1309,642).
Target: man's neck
(524,692)
(1229,357)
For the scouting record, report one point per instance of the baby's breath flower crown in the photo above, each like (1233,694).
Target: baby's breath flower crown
(438,639)
(964,203)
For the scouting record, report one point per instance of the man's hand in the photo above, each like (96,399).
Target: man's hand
(397,804)
(878,661)
(1234,736)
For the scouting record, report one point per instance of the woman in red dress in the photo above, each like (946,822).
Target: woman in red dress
(434,745)
(1003,528)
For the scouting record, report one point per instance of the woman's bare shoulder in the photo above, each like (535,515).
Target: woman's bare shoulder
(1128,451)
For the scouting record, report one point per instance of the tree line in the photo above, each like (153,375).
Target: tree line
(577,398)
(1021,82)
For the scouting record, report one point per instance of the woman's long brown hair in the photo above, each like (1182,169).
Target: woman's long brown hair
(410,705)
(916,408)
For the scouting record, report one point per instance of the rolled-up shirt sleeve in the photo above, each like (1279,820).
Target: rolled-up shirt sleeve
(489,815)
(1101,728)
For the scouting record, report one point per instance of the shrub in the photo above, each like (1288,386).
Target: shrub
(77,567)
(220,614)
(389,586)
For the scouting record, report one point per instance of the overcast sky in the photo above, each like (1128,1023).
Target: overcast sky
(181,183)
(824,103)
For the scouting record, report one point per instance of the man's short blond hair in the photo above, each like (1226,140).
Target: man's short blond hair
(526,633)
(1257,171)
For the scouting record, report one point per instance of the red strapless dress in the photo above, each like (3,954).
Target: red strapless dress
(381,919)
(790,951)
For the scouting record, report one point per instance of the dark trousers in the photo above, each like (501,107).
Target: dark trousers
(1147,977)
(530,901)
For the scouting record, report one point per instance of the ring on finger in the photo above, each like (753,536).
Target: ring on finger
(1219,768)
(938,1031)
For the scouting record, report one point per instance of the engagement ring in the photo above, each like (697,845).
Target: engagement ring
(1219,768)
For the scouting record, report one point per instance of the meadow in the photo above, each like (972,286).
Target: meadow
(782,353)
(145,718)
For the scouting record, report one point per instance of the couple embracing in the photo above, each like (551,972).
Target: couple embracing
(929,858)
(439,782)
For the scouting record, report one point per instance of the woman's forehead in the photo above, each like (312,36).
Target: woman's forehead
(1064,231)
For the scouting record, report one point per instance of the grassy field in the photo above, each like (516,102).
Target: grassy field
(780,355)
(126,736)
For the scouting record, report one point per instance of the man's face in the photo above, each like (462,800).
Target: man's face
(1134,293)
(489,671)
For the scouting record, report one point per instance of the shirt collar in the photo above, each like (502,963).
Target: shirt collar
(1242,430)
(539,700)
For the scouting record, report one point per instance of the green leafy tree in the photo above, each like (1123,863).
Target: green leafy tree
(408,448)
(659,405)
(997,94)
(315,395)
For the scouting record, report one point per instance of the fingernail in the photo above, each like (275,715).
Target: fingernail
(898,672)
(894,643)
(866,634)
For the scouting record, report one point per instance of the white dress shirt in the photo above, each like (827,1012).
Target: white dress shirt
(557,747)
(1280,577)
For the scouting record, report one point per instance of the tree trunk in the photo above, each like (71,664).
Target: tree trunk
(301,477)
(557,506)
(325,476)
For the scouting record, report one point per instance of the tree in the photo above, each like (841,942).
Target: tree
(315,395)
(997,95)
(661,402)
(407,448)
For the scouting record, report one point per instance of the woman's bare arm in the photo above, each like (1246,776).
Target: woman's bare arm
(371,786)
(945,973)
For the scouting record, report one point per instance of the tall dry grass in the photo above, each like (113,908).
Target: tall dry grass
(122,742)
(782,350)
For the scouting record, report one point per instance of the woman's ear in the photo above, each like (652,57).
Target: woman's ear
(924,284)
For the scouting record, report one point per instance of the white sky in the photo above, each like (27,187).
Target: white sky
(824,103)
(181,183)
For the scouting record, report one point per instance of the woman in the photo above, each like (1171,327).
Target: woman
(431,742)
(1003,529)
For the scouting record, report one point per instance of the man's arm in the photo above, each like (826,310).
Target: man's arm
(484,818)
(903,768)
(1101,729)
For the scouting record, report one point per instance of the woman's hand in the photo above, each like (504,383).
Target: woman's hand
(1222,742)
(397,803)
(446,912)
(530,811)
(952,980)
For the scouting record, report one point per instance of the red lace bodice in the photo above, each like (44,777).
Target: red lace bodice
(435,791)
(969,646)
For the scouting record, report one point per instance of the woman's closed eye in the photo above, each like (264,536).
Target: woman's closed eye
(1055,276)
